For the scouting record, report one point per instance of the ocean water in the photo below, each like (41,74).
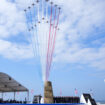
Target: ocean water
(101,101)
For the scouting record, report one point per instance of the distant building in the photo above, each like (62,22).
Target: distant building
(37,99)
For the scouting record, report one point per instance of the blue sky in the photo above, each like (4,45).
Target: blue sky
(79,54)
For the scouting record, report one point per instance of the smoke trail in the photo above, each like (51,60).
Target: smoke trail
(43,25)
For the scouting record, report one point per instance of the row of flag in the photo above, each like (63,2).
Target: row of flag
(32,92)
(75,91)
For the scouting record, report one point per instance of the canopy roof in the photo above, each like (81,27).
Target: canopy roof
(8,84)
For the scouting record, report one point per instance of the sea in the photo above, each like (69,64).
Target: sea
(101,102)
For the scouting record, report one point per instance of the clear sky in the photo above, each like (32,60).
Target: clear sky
(79,58)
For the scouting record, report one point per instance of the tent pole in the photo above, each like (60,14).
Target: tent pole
(28,96)
(14,95)
(2,95)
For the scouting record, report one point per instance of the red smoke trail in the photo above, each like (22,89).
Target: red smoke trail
(54,40)
(48,45)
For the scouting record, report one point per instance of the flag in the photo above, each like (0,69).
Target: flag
(32,91)
(76,92)
(17,93)
(60,92)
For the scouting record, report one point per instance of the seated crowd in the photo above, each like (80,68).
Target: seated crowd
(12,101)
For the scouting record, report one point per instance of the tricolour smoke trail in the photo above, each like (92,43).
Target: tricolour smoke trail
(43,23)
(35,26)
(47,31)
(42,39)
(47,62)
(54,39)
(30,30)
(29,25)
(39,26)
